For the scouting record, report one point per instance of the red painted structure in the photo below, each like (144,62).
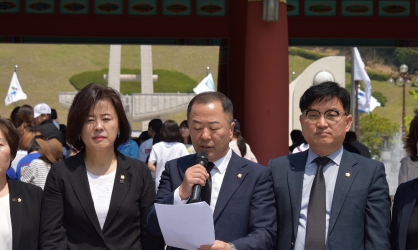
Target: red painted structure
(253,66)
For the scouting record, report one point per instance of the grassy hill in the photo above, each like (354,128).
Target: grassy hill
(45,70)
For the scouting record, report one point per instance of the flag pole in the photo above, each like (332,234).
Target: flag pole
(357,120)
(353,91)
(16,75)
(207,71)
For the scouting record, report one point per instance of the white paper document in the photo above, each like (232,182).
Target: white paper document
(187,226)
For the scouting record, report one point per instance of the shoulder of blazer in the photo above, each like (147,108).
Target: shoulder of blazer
(134,165)
(404,187)
(243,163)
(18,187)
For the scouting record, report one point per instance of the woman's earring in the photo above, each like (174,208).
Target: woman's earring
(118,133)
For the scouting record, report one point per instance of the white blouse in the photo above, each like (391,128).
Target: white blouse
(6,238)
(101,187)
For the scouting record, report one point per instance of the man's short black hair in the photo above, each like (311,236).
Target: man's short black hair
(325,91)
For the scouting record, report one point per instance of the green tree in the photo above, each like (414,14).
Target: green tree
(407,56)
(372,130)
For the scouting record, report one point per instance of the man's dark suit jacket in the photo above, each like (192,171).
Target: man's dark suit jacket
(244,213)
(405,199)
(364,150)
(25,215)
(360,211)
(69,219)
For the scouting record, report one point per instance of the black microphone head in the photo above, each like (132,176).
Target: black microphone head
(202,158)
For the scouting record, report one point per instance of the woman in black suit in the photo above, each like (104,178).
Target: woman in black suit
(404,228)
(20,203)
(99,198)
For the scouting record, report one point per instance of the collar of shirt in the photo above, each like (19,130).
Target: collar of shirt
(222,163)
(335,157)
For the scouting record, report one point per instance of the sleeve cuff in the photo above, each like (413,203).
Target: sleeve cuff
(232,246)
(176,199)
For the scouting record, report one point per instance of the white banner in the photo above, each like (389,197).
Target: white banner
(360,74)
(15,92)
(205,85)
(362,102)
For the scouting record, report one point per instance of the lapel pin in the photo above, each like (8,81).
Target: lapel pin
(347,174)
(19,200)
(239,176)
(14,199)
(122,179)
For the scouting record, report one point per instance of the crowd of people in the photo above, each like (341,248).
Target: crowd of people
(90,185)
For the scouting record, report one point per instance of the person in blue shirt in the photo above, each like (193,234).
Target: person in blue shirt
(27,159)
(130,148)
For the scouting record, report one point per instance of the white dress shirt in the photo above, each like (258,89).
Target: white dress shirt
(330,174)
(218,174)
(6,237)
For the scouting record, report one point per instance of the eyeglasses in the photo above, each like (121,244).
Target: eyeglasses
(329,115)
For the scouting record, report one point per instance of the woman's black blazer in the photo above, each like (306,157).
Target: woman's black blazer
(25,212)
(68,217)
(403,205)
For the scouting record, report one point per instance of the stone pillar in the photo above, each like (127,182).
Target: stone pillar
(114,67)
(147,85)
(266,90)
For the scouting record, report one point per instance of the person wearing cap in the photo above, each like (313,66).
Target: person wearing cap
(238,144)
(44,124)
(38,169)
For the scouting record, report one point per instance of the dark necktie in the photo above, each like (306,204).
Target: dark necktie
(315,230)
(207,189)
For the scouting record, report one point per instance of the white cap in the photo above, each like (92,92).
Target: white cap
(41,108)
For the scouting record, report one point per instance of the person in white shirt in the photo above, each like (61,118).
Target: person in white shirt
(168,149)
(154,127)
(98,198)
(238,144)
(20,203)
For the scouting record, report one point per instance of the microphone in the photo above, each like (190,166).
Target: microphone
(202,159)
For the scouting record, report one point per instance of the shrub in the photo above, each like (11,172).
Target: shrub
(380,97)
(168,81)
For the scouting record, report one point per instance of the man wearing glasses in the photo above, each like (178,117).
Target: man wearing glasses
(327,197)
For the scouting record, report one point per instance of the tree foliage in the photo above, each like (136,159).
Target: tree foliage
(373,128)
(407,56)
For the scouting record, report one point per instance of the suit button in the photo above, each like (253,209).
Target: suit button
(292,244)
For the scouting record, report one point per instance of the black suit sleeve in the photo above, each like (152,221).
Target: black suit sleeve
(148,241)
(52,230)
(395,210)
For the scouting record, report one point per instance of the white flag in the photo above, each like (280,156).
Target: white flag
(362,102)
(205,85)
(360,74)
(15,92)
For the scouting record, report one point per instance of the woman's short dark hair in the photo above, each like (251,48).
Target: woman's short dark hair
(86,99)
(170,132)
(325,91)
(25,119)
(184,124)
(411,139)
(11,135)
